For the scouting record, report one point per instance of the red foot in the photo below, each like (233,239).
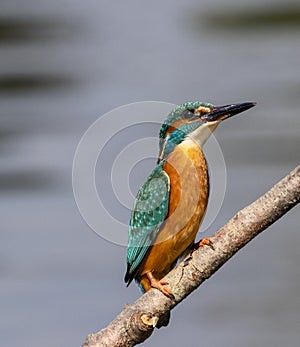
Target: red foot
(205,242)
(160,285)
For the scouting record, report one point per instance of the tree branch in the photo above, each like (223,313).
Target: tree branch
(137,321)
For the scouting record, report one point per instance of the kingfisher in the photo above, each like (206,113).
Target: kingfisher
(170,206)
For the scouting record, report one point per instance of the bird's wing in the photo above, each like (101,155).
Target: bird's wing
(149,211)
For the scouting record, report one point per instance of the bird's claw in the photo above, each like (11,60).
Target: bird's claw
(160,285)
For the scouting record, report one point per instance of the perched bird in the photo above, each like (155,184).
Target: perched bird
(171,204)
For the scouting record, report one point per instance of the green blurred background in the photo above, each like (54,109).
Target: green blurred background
(65,63)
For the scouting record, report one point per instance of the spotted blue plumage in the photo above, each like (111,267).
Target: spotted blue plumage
(149,211)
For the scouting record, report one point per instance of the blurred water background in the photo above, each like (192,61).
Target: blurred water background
(63,64)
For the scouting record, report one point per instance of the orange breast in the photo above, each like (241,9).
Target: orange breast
(189,190)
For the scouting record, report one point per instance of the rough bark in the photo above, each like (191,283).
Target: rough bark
(137,321)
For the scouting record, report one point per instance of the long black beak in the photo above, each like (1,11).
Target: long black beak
(224,112)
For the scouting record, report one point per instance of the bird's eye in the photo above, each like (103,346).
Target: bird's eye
(188,114)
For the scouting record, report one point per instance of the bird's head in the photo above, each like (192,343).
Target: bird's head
(196,120)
